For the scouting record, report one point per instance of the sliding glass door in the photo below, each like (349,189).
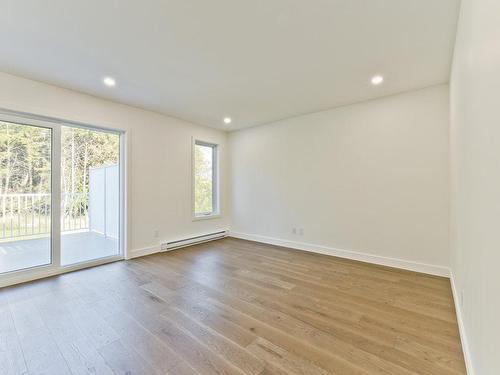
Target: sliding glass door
(90,194)
(61,196)
(25,196)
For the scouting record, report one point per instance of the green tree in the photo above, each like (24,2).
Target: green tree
(82,150)
(25,163)
(203,179)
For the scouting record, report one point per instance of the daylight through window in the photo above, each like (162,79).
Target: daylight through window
(205,179)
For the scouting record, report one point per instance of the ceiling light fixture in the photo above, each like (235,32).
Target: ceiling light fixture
(227,120)
(377,80)
(109,81)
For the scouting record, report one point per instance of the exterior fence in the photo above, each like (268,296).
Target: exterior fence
(24,215)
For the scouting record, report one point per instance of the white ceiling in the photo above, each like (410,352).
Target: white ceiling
(256,60)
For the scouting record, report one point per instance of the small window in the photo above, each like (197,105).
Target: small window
(205,179)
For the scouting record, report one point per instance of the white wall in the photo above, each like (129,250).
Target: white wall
(475,155)
(369,177)
(159,157)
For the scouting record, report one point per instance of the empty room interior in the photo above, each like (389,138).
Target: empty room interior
(250,187)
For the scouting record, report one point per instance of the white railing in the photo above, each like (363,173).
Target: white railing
(74,211)
(24,215)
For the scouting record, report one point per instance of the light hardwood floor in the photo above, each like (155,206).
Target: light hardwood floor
(231,307)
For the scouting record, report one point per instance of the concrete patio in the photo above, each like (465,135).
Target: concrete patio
(76,247)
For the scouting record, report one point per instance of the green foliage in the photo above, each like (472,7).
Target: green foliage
(82,150)
(25,157)
(203,179)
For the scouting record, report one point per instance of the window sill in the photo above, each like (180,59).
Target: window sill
(206,217)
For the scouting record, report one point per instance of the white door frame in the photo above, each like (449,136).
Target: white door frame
(55,267)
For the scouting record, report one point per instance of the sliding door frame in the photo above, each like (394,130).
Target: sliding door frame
(55,267)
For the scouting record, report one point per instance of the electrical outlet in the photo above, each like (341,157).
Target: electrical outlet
(294,230)
(156,233)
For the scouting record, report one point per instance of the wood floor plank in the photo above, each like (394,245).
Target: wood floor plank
(385,338)
(221,345)
(197,309)
(146,344)
(198,355)
(124,360)
(231,307)
(83,358)
(41,353)
(278,357)
(11,355)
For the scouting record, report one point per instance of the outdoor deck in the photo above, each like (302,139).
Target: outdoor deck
(76,247)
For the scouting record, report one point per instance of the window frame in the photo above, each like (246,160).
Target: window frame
(215,181)
(55,267)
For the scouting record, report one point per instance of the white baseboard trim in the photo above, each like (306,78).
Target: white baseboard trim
(461,327)
(348,254)
(143,252)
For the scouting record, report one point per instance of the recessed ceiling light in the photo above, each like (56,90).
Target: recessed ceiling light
(377,80)
(109,81)
(227,120)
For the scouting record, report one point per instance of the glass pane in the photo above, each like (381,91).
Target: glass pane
(90,194)
(203,177)
(25,196)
